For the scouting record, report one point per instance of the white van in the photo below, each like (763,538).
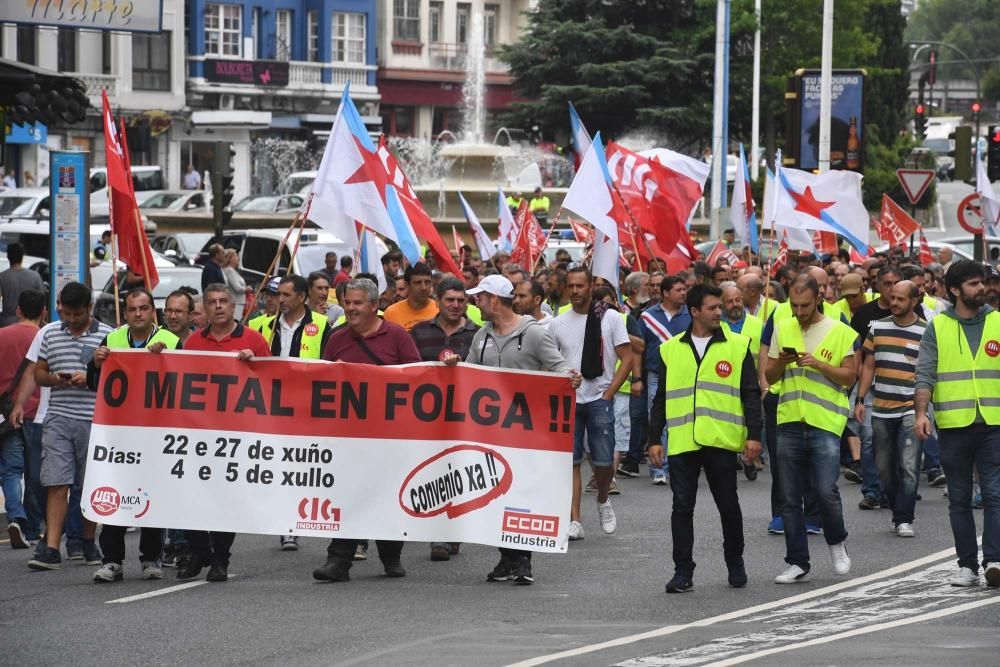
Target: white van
(298,183)
(144,178)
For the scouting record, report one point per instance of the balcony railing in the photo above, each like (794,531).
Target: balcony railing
(94,83)
(452,56)
(309,76)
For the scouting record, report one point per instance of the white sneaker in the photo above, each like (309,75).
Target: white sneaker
(965,578)
(109,573)
(793,575)
(151,570)
(905,530)
(841,561)
(608,520)
(992,573)
(575,531)
(659,479)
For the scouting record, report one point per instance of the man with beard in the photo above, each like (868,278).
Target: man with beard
(636,290)
(959,369)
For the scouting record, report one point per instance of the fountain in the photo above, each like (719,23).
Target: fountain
(471,165)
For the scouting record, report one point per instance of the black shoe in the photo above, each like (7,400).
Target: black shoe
(394,569)
(681,583)
(502,572)
(737,575)
(92,554)
(522,574)
(869,503)
(169,558)
(453,548)
(628,468)
(750,470)
(46,559)
(333,570)
(936,478)
(191,568)
(883,503)
(218,572)
(440,552)
(852,472)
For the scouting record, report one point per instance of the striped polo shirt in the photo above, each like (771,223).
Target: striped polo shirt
(895,349)
(66,353)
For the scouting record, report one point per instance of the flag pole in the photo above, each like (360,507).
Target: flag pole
(632,229)
(774,210)
(357,250)
(295,248)
(114,261)
(281,246)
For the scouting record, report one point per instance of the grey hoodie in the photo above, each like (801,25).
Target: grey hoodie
(528,347)
(928,359)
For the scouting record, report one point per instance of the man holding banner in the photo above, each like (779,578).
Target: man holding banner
(139,332)
(367,339)
(509,340)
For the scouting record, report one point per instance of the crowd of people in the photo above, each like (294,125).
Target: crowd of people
(878,373)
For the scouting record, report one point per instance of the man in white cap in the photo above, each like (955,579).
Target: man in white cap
(509,340)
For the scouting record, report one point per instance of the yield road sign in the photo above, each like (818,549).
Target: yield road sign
(915,182)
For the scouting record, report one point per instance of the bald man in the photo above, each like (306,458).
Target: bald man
(752,287)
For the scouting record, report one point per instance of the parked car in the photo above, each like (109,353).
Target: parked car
(175,201)
(298,183)
(268,204)
(257,248)
(171,278)
(24,204)
(144,179)
(183,247)
(966,244)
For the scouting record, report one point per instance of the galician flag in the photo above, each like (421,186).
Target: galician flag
(794,239)
(508,230)
(830,201)
(590,196)
(483,242)
(371,261)
(578,135)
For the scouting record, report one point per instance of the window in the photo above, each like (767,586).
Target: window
(406,20)
(283,34)
(463,17)
(313,36)
(151,61)
(434,20)
(491,24)
(348,38)
(223,30)
(26,44)
(105,52)
(67,50)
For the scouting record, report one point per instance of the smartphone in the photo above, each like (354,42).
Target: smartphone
(790,350)
(65,376)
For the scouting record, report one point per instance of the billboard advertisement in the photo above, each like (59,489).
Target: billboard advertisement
(846,122)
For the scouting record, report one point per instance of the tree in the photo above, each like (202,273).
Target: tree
(970,25)
(621,64)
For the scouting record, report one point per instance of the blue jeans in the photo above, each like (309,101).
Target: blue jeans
(897,455)
(11,472)
(870,484)
(809,453)
(35,495)
(652,382)
(596,421)
(962,449)
(932,453)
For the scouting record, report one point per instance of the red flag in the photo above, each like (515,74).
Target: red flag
(423,226)
(926,258)
(133,246)
(581,232)
(897,224)
(457,242)
(659,197)
(782,257)
(825,242)
(721,251)
(530,242)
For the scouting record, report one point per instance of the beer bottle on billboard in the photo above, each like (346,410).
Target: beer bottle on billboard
(853,145)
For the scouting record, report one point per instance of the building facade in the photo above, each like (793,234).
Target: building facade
(422,50)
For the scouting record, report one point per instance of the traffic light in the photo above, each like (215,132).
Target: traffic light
(932,70)
(45,99)
(222,184)
(919,121)
(993,153)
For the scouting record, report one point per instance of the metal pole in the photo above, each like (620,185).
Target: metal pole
(755,119)
(826,87)
(718,149)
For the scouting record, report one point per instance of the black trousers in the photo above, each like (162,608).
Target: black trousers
(343,550)
(720,471)
(513,555)
(112,541)
(777,497)
(212,547)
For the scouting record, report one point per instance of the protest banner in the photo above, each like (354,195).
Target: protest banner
(423,452)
